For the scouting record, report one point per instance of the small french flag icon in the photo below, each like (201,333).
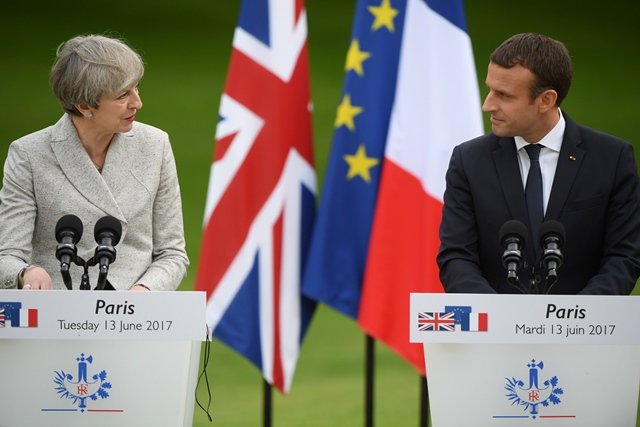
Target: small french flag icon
(25,318)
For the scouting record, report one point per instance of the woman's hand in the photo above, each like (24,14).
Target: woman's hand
(36,277)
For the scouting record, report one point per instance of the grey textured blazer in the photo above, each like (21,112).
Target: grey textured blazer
(48,174)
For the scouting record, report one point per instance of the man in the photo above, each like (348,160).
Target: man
(589,185)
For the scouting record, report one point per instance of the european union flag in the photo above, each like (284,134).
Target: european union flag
(337,258)
(9,311)
(462,313)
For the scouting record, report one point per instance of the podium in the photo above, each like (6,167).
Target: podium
(99,358)
(529,360)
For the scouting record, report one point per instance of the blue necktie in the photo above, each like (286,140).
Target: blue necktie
(533,193)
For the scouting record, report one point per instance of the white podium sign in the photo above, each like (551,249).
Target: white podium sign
(109,358)
(103,315)
(529,360)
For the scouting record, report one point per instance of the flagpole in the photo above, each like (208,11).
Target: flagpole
(424,402)
(369,380)
(267,403)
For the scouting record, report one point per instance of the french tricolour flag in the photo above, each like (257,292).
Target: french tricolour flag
(478,322)
(25,318)
(436,106)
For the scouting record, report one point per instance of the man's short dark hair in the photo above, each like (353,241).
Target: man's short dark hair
(546,58)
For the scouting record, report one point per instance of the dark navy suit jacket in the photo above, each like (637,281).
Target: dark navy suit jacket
(595,195)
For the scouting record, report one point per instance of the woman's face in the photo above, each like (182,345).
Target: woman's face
(116,113)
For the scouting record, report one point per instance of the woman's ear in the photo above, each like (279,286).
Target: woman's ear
(84,109)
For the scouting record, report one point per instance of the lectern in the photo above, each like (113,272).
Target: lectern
(100,358)
(529,360)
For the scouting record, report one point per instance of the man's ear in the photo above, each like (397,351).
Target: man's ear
(547,100)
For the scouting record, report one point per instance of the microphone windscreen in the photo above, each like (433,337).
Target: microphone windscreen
(552,228)
(513,228)
(108,224)
(69,223)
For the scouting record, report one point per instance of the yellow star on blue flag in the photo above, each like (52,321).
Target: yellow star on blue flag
(338,251)
(384,15)
(360,164)
(356,58)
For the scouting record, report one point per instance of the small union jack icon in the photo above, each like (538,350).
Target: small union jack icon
(430,321)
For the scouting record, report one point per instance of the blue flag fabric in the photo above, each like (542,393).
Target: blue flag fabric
(340,240)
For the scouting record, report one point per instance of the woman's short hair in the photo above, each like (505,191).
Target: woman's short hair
(87,67)
(546,58)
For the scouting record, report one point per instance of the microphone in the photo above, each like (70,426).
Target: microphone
(512,240)
(552,236)
(68,233)
(107,233)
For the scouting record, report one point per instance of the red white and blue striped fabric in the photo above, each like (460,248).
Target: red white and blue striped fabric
(436,106)
(261,197)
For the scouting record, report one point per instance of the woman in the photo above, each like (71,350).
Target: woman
(96,161)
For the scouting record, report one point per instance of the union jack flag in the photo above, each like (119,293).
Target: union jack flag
(429,321)
(2,318)
(261,197)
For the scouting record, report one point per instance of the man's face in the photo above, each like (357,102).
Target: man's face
(512,111)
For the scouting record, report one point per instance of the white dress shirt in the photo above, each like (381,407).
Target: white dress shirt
(549,154)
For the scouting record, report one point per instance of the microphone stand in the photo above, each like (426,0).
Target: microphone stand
(62,250)
(514,281)
(511,260)
(516,284)
(84,280)
(66,276)
(85,284)
(102,277)
(551,279)
(534,282)
(553,265)
(101,252)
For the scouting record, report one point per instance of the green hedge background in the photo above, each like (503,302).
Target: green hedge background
(186,46)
